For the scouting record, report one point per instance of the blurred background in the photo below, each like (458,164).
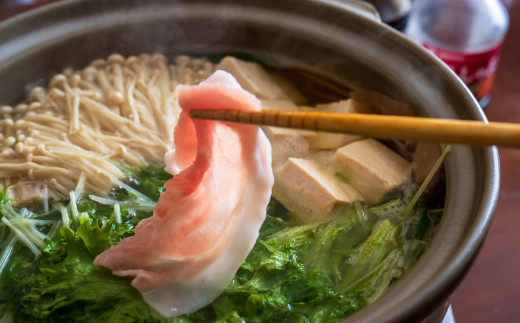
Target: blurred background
(491,290)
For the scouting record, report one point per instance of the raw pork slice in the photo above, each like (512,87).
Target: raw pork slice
(207,220)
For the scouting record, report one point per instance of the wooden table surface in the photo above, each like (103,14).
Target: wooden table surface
(491,290)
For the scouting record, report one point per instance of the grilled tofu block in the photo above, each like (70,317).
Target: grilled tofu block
(329,140)
(372,168)
(303,187)
(286,142)
(255,79)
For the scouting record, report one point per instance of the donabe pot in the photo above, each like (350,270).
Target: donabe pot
(322,37)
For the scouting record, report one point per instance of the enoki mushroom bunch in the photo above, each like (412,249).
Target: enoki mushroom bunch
(115,112)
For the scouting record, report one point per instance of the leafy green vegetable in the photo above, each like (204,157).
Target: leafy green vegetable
(371,254)
(64,286)
(317,272)
(299,273)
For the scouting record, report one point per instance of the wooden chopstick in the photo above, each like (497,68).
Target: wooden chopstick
(473,133)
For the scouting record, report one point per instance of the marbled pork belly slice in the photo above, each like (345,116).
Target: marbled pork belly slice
(207,220)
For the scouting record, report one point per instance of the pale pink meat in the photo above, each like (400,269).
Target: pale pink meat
(207,220)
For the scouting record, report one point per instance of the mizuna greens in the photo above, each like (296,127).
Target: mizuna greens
(323,271)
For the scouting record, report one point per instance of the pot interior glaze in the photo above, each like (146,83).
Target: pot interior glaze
(322,37)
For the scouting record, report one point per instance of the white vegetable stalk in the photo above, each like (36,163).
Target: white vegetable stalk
(132,204)
(22,237)
(31,222)
(7,317)
(64,216)
(26,214)
(6,253)
(45,198)
(25,231)
(426,182)
(55,229)
(117,213)
(143,199)
(102,200)
(73,208)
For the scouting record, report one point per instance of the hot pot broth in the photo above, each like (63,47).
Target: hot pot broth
(304,266)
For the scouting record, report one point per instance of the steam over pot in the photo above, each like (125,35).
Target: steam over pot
(323,37)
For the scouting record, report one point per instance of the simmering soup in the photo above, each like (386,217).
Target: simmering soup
(116,206)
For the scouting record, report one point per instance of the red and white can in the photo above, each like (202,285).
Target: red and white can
(476,70)
(466,34)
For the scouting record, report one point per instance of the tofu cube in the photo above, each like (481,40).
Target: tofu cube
(329,140)
(317,140)
(343,106)
(277,133)
(284,105)
(255,79)
(287,143)
(309,191)
(372,168)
